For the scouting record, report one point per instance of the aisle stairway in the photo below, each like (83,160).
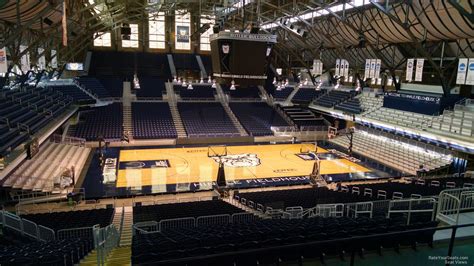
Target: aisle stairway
(126,235)
(178,123)
(120,255)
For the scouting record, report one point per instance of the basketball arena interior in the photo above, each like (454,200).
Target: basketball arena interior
(236,132)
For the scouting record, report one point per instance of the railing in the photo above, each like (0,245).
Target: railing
(105,240)
(81,232)
(452,202)
(191,222)
(214,135)
(26,227)
(411,206)
(56,138)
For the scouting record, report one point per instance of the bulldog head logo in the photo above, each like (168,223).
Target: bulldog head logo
(239,160)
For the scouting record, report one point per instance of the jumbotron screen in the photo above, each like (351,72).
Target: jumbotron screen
(241,57)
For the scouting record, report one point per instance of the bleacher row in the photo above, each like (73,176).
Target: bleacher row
(395,154)
(42,173)
(25,111)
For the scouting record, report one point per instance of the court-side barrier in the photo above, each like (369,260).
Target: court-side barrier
(411,207)
(454,201)
(26,227)
(416,204)
(149,202)
(191,222)
(81,232)
(105,239)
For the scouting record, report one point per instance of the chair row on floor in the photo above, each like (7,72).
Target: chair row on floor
(266,240)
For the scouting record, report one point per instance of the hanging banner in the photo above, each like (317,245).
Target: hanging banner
(182,34)
(462,71)
(3,60)
(320,68)
(470,72)
(346,68)
(378,65)
(409,74)
(54,59)
(367,69)
(41,59)
(25,59)
(338,64)
(64,24)
(419,69)
(372,68)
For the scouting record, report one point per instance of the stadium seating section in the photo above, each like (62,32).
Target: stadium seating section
(25,111)
(257,118)
(126,64)
(181,210)
(334,97)
(152,120)
(303,117)
(351,106)
(218,239)
(184,62)
(282,94)
(72,219)
(17,250)
(240,92)
(79,96)
(113,84)
(36,175)
(93,85)
(206,119)
(106,122)
(151,87)
(305,95)
(395,154)
(197,91)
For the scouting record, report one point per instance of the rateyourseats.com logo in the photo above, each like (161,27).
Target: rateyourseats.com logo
(453,260)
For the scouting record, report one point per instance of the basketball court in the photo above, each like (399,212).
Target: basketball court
(155,167)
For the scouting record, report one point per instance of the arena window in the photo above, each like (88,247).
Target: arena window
(102,39)
(156,30)
(133,42)
(205,43)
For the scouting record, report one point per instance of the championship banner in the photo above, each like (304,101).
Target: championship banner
(3,60)
(64,24)
(346,68)
(320,68)
(372,68)
(338,64)
(367,69)
(419,69)
(462,70)
(470,72)
(54,59)
(25,59)
(182,34)
(41,59)
(409,74)
(378,65)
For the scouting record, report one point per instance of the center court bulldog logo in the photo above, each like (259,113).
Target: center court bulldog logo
(239,160)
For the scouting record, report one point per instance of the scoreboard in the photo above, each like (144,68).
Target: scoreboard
(241,57)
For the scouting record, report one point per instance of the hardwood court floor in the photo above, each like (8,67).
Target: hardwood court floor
(150,167)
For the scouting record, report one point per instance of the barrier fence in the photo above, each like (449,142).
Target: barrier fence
(191,222)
